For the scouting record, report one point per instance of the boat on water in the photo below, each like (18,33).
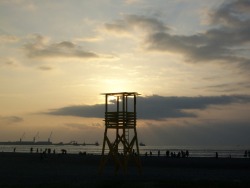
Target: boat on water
(75,143)
(142,144)
(94,144)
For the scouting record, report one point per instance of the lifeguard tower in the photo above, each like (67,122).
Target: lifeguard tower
(120,134)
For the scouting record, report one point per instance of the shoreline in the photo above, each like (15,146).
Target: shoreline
(175,151)
(73,169)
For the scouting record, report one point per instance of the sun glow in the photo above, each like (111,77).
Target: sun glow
(116,85)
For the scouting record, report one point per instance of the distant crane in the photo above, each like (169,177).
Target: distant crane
(36,136)
(50,136)
(22,137)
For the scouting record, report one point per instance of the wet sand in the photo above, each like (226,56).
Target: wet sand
(72,170)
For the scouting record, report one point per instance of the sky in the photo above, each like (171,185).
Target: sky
(189,60)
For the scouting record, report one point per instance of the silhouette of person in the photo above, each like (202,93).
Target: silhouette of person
(216,155)
(179,154)
(245,154)
(159,153)
(182,154)
(64,151)
(167,153)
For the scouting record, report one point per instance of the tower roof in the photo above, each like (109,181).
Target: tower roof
(121,94)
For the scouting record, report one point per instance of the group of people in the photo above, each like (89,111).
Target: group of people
(180,154)
(46,151)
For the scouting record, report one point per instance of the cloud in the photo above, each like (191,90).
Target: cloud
(41,48)
(131,2)
(45,68)
(232,14)
(80,126)
(159,107)
(76,126)
(8,62)
(227,40)
(89,39)
(130,22)
(8,39)
(231,25)
(156,107)
(227,87)
(6,120)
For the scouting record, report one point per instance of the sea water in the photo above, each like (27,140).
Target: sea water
(194,151)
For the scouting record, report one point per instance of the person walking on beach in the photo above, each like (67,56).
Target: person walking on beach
(167,153)
(245,154)
(216,155)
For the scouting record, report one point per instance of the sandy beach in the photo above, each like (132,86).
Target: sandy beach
(73,170)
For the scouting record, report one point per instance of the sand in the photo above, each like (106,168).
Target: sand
(72,170)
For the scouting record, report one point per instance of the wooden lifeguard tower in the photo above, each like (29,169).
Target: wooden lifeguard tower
(120,121)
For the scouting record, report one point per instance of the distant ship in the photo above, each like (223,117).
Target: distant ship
(95,144)
(46,143)
(142,144)
(33,142)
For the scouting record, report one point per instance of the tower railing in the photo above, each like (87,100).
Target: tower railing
(120,119)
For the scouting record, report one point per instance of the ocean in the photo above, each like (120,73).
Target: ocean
(194,151)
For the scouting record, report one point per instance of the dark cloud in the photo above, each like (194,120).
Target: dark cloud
(81,111)
(232,13)
(159,107)
(156,107)
(39,48)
